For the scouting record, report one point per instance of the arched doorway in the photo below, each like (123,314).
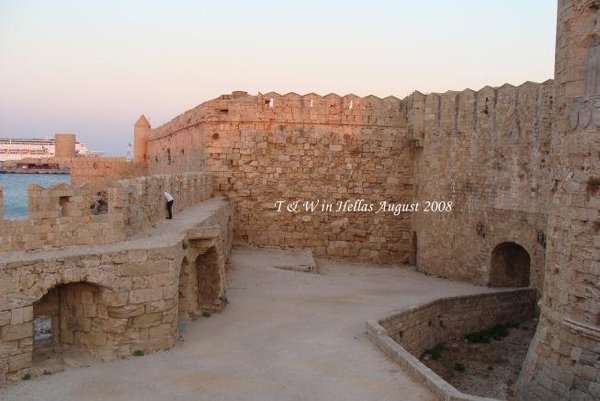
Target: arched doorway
(200,287)
(210,280)
(187,287)
(66,319)
(509,266)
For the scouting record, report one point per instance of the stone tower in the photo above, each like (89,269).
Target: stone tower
(141,132)
(563,362)
(64,145)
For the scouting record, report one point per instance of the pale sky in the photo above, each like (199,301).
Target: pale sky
(92,67)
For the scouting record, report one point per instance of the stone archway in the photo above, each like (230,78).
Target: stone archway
(210,280)
(509,266)
(66,320)
(188,286)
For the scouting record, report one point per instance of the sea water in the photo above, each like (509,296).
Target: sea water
(15,186)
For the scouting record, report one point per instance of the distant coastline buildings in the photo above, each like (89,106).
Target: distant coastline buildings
(13,149)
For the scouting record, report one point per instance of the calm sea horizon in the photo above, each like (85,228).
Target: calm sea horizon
(14,186)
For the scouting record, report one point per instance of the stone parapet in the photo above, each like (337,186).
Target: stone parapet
(113,300)
(64,215)
(405,334)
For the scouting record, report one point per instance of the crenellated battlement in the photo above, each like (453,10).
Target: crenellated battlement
(507,112)
(63,215)
(291,108)
(491,144)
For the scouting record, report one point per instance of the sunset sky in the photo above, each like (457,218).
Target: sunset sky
(92,67)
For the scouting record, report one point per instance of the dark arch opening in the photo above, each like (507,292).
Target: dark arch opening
(186,287)
(510,266)
(209,280)
(67,322)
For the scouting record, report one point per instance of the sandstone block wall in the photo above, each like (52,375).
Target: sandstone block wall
(61,215)
(449,319)
(266,148)
(58,216)
(563,362)
(141,203)
(102,172)
(114,299)
(489,153)
(486,151)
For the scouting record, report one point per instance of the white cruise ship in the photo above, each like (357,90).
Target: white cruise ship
(17,148)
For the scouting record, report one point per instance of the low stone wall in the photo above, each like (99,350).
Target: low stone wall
(140,201)
(62,214)
(58,216)
(118,298)
(406,334)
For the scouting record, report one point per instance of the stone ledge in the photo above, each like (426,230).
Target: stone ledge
(441,388)
(584,329)
(411,364)
(198,233)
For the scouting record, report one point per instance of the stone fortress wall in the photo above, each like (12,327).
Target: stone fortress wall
(520,165)
(489,152)
(563,362)
(266,148)
(486,151)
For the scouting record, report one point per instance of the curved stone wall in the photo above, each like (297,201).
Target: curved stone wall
(563,362)
(406,334)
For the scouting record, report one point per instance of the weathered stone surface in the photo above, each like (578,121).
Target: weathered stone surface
(16,332)
(562,363)
(121,312)
(61,215)
(106,299)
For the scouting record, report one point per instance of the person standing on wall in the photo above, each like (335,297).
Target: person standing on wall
(169,200)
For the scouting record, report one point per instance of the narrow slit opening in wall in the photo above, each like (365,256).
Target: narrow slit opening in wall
(64,203)
(42,330)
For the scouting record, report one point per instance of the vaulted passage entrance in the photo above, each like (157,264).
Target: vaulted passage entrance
(509,266)
(65,320)
(200,285)
(210,282)
(188,286)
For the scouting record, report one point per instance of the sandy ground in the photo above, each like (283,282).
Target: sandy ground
(286,335)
